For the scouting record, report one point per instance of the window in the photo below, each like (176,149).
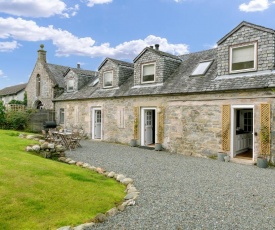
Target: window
(248,121)
(148,72)
(243,58)
(38,85)
(61,116)
(108,79)
(70,85)
(201,68)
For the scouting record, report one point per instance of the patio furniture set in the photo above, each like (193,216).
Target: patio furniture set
(70,139)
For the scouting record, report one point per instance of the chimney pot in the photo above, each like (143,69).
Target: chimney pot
(42,54)
(152,47)
(157,46)
(78,65)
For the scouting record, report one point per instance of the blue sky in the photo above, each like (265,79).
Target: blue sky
(88,31)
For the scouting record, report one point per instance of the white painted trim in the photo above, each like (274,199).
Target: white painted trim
(233,128)
(145,64)
(147,85)
(108,71)
(93,109)
(142,118)
(255,44)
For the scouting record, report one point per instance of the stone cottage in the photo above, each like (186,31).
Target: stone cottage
(48,81)
(15,92)
(200,103)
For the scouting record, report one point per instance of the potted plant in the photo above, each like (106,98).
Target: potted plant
(158,146)
(262,161)
(221,156)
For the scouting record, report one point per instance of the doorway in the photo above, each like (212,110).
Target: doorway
(148,126)
(242,132)
(96,123)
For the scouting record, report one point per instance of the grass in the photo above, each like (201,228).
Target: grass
(37,193)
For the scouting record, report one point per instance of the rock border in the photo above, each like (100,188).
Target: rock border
(129,200)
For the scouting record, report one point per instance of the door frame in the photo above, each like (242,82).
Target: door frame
(233,128)
(93,122)
(142,113)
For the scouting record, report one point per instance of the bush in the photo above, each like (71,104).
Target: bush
(2,114)
(16,102)
(16,120)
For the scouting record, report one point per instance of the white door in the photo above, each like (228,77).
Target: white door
(148,127)
(97,124)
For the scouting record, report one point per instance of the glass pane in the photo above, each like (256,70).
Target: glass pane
(70,85)
(148,72)
(243,54)
(108,79)
(201,68)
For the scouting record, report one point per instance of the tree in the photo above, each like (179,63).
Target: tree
(25,101)
(2,114)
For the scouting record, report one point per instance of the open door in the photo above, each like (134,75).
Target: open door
(242,131)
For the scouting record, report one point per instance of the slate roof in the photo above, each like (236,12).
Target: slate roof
(180,82)
(12,90)
(56,73)
(118,62)
(158,52)
(82,72)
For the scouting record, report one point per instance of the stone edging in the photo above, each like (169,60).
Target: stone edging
(129,199)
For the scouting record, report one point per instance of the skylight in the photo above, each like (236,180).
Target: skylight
(201,68)
(94,82)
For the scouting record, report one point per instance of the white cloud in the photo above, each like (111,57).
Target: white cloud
(2,74)
(36,8)
(68,44)
(91,3)
(8,46)
(255,5)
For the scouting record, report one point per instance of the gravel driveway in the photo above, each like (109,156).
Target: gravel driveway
(180,192)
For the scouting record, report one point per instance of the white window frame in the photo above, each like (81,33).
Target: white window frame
(255,44)
(146,64)
(68,89)
(109,71)
(62,111)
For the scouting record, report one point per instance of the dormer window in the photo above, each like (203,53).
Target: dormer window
(70,85)
(202,68)
(148,73)
(243,58)
(108,79)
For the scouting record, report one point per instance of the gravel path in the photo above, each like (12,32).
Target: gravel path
(179,192)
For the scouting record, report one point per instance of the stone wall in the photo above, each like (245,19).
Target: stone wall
(46,86)
(109,66)
(248,34)
(192,124)
(149,57)
(165,66)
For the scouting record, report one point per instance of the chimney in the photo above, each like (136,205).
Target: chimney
(157,46)
(78,65)
(152,47)
(42,54)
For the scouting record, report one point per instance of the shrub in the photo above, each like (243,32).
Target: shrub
(2,114)
(16,120)
(16,102)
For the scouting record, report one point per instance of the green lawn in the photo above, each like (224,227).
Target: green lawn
(37,193)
